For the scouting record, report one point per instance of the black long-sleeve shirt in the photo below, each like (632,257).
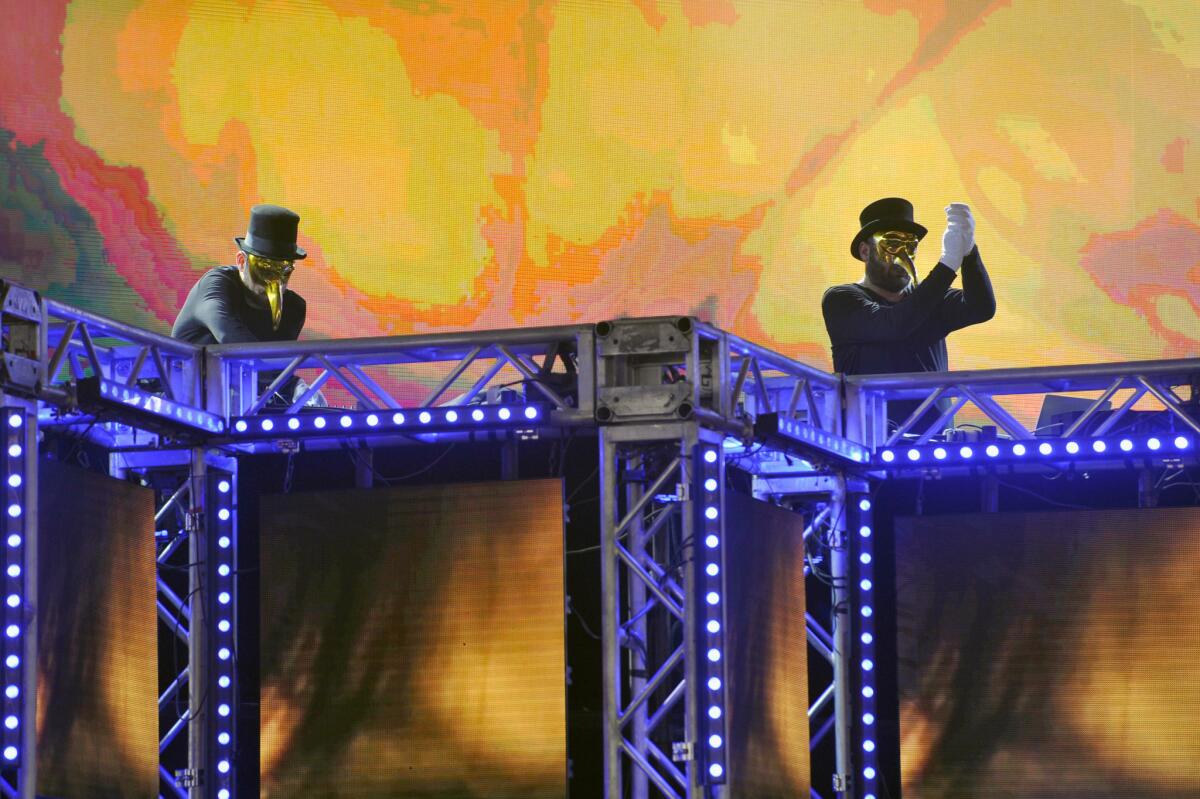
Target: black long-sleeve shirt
(873,335)
(219,310)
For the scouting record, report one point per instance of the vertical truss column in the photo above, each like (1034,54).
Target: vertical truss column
(18,757)
(651,607)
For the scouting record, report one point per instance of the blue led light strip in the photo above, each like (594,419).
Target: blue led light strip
(159,406)
(1057,450)
(710,585)
(15,496)
(392,420)
(224,637)
(861,533)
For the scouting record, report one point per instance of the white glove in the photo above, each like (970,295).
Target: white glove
(959,238)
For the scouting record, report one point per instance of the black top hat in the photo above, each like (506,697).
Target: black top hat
(272,234)
(890,213)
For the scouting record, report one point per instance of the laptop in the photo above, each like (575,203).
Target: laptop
(1059,411)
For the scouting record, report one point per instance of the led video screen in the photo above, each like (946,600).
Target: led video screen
(413,643)
(97,703)
(473,164)
(1054,655)
(767,651)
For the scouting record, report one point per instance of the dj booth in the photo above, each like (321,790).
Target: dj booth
(675,405)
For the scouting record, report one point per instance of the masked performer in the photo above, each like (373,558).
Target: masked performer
(891,322)
(249,301)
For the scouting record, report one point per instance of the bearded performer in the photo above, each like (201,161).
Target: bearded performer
(892,322)
(249,301)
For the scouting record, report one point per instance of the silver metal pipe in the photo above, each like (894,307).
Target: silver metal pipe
(1173,407)
(276,384)
(821,700)
(664,762)
(843,646)
(358,393)
(370,382)
(173,621)
(117,329)
(176,603)
(532,377)
(610,609)
(925,405)
(198,644)
(658,779)
(646,579)
(172,733)
(653,684)
(1033,380)
(455,373)
(1094,408)
(662,710)
(173,688)
(170,503)
(648,497)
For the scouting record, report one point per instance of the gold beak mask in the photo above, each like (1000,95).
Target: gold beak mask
(897,247)
(273,277)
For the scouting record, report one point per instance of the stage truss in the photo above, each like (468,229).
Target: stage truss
(672,400)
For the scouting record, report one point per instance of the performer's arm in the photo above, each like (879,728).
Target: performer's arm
(216,307)
(975,302)
(851,317)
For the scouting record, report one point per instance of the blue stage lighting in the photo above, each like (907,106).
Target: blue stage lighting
(864,558)
(710,456)
(712,570)
(240,426)
(869,745)
(14,540)
(864,505)
(319,422)
(10,753)
(397,418)
(716,770)
(869,773)
(710,513)
(966,453)
(714,742)
(714,655)
(1153,444)
(940,453)
(710,484)
(888,456)
(11,722)
(14,420)
(504,413)
(14,451)
(223,570)
(424,417)
(451,416)
(1099,446)
(1126,445)
(14,570)
(267,425)
(868,664)
(711,541)
(867,638)
(223,597)
(223,653)
(868,691)
(865,531)
(1045,448)
(12,631)
(14,480)
(992,450)
(223,542)
(868,719)
(222,710)
(223,793)
(223,625)
(1019,450)
(12,692)
(223,486)
(865,584)
(223,681)
(1181,442)
(867,611)
(1072,448)
(714,683)
(14,601)
(345,421)
(714,712)
(14,510)
(223,514)
(372,420)
(914,454)
(223,739)
(714,626)
(293,423)
(531,412)
(712,597)
(12,661)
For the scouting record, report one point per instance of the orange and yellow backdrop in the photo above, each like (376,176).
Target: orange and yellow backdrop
(470,164)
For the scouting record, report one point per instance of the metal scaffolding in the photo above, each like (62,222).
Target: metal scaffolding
(669,398)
